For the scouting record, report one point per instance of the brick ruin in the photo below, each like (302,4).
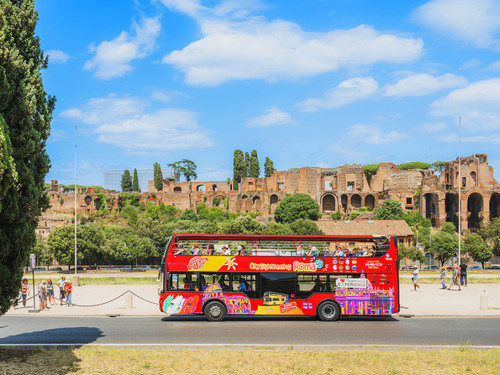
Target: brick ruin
(344,188)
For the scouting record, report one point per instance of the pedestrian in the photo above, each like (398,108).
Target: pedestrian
(463,274)
(42,295)
(415,278)
(68,291)
(50,292)
(25,290)
(443,276)
(60,284)
(455,277)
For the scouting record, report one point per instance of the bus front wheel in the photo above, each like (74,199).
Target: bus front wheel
(329,311)
(215,311)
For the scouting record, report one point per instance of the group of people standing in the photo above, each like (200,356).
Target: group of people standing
(46,292)
(458,276)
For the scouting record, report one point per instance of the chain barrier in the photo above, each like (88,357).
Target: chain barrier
(94,305)
(20,301)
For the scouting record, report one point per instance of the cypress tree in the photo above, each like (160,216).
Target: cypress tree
(254,165)
(239,168)
(126,181)
(25,116)
(247,165)
(135,183)
(268,167)
(158,177)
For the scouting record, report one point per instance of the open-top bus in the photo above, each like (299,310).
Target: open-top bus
(328,276)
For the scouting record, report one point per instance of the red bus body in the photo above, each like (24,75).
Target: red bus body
(360,285)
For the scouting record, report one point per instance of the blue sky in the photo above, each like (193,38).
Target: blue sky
(306,83)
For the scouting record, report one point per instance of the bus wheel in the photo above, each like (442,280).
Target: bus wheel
(215,311)
(329,311)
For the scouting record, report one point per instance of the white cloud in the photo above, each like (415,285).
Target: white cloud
(478,104)
(123,122)
(112,59)
(161,96)
(494,66)
(434,127)
(347,92)
(373,135)
(249,47)
(473,21)
(423,84)
(273,116)
(57,56)
(471,64)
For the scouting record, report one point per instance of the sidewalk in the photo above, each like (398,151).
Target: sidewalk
(429,301)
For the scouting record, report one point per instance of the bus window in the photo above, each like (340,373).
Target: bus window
(213,278)
(246,283)
(182,281)
(278,282)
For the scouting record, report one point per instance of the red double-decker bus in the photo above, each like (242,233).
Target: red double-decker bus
(328,276)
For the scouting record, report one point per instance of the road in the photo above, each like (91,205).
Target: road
(296,332)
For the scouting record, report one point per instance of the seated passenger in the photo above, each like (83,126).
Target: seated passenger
(210,249)
(180,250)
(313,252)
(223,284)
(318,285)
(241,250)
(195,250)
(326,252)
(243,285)
(186,284)
(369,253)
(226,250)
(300,251)
(339,252)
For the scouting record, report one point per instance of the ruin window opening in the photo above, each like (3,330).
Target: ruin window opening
(177,190)
(475,208)
(473,177)
(451,209)
(281,186)
(370,202)
(214,187)
(201,188)
(356,201)
(329,203)
(350,185)
(494,206)
(328,185)
(274,199)
(343,202)
(409,200)
(464,181)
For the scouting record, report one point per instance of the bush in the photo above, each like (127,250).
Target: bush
(297,206)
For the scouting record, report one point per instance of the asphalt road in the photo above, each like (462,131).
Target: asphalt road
(302,332)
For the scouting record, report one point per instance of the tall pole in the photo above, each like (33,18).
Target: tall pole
(76,264)
(459,183)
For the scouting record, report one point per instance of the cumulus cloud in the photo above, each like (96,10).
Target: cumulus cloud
(478,104)
(423,84)
(273,116)
(124,122)
(347,92)
(237,46)
(57,56)
(473,21)
(373,135)
(113,59)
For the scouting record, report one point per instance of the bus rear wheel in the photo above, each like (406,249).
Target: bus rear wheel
(329,311)
(215,311)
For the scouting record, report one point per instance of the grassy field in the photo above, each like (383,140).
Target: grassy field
(110,361)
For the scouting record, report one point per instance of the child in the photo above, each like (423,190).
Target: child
(443,275)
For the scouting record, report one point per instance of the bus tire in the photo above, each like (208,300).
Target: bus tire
(329,311)
(215,311)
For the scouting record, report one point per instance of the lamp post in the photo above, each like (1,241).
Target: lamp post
(76,262)
(459,183)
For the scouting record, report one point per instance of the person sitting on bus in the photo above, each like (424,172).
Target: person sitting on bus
(359,252)
(313,252)
(186,284)
(318,285)
(369,253)
(241,250)
(243,285)
(300,251)
(180,250)
(195,250)
(203,282)
(226,250)
(223,284)
(326,252)
(210,249)
(339,252)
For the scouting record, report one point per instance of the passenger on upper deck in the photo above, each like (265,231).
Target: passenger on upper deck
(180,250)
(195,250)
(226,250)
(241,250)
(339,252)
(313,252)
(210,249)
(300,251)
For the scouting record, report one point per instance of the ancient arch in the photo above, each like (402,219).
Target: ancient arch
(88,200)
(494,206)
(274,199)
(431,207)
(328,203)
(255,199)
(214,187)
(343,202)
(177,189)
(356,201)
(201,188)
(370,202)
(244,196)
(97,203)
(451,208)
(475,208)
(473,176)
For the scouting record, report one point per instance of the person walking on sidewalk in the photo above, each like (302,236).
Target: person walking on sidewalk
(415,278)
(463,274)
(443,276)
(60,284)
(455,276)
(25,291)
(42,295)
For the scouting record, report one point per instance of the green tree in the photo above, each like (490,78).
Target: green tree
(477,248)
(370,170)
(126,183)
(438,166)
(491,234)
(410,252)
(389,210)
(187,168)
(254,170)
(135,183)
(158,177)
(247,165)
(268,167)
(189,215)
(26,110)
(449,228)
(444,245)
(296,206)
(41,251)
(413,165)
(304,227)
(239,167)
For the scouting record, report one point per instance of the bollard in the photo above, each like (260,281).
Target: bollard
(129,301)
(76,280)
(484,300)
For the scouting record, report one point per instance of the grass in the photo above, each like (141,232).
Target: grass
(103,360)
(406,279)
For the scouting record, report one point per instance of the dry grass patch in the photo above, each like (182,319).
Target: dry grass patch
(111,361)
